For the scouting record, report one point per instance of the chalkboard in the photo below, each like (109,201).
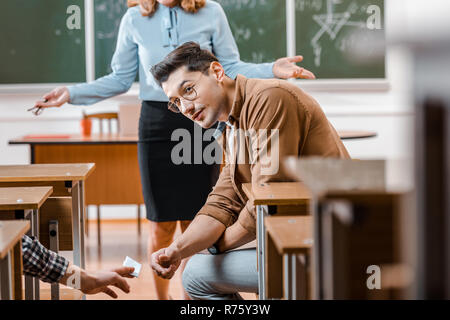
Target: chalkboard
(329,31)
(37,45)
(108,15)
(259,28)
(257,42)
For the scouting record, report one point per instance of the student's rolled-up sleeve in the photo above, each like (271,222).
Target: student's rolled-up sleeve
(223,203)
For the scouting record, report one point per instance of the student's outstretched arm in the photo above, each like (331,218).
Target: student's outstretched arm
(202,233)
(48,266)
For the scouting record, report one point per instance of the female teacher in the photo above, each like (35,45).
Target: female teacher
(149,30)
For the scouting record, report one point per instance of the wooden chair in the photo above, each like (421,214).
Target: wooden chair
(108,117)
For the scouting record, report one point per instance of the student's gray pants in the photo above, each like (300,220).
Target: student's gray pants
(222,276)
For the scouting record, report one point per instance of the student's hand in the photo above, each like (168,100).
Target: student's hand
(92,283)
(95,282)
(55,98)
(165,262)
(285,68)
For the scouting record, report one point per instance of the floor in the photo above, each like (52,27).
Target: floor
(120,239)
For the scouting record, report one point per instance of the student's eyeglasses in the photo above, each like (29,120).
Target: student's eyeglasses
(188,94)
(174,104)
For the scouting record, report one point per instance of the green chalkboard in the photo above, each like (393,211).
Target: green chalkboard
(259,28)
(108,15)
(329,33)
(37,45)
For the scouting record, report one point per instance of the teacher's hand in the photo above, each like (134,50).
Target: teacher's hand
(285,68)
(55,98)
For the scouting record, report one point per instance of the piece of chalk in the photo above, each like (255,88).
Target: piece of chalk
(128,262)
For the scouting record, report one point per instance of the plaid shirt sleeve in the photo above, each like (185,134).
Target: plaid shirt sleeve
(40,262)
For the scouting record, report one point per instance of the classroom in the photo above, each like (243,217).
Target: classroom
(224,150)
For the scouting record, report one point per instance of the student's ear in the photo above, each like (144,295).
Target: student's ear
(217,70)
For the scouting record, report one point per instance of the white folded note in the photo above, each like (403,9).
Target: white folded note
(128,262)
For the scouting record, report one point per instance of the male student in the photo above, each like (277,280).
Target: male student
(266,120)
(48,266)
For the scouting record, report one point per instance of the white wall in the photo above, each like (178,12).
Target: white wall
(389,113)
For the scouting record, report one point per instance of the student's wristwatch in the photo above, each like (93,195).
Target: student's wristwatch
(214,249)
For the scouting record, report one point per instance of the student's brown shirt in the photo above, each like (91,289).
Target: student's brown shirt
(270,108)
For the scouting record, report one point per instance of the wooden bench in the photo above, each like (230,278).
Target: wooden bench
(25,203)
(11,233)
(288,247)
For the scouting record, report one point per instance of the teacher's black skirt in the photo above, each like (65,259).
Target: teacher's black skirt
(171,191)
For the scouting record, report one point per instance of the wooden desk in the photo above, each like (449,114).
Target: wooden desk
(324,175)
(116,179)
(286,238)
(362,231)
(11,233)
(24,203)
(68,182)
(283,198)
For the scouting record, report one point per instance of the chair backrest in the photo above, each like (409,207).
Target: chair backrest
(108,116)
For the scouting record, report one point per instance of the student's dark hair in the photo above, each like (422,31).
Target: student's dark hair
(188,54)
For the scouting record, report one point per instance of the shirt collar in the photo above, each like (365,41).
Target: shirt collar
(169,24)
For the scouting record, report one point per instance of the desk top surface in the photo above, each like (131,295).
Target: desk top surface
(118,139)
(277,193)
(20,198)
(76,139)
(46,172)
(11,231)
(290,234)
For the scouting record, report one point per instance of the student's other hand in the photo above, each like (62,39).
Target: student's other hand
(285,68)
(165,262)
(55,98)
(92,283)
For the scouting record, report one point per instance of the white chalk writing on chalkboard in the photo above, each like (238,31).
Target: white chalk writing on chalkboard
(330,23)
(113,11)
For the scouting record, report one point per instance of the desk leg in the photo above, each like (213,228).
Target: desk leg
(18,271)
(29,280)
(35,217)
(6,292)
(289,276)
(78,225)
(82,224)
(316,268)
(261,213)
(54,246)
